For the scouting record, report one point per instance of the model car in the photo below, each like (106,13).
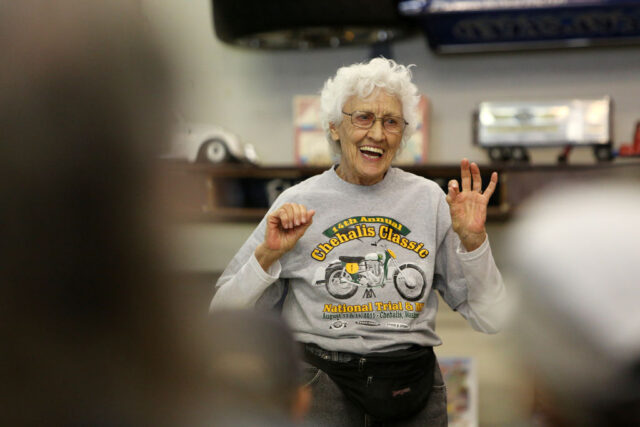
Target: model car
(202,142)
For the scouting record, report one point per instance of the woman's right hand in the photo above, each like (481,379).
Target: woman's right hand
(285,226)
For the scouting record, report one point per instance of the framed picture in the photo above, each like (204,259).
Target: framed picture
(462,390)
(312,148)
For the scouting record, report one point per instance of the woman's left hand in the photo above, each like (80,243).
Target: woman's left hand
(469,206)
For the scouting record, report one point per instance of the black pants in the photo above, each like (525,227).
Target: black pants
(331,407)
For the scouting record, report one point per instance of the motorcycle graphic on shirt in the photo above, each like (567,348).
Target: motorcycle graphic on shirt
(345,276)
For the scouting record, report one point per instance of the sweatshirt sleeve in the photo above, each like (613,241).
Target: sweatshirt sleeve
(485,306)
(469,282)
(244,281)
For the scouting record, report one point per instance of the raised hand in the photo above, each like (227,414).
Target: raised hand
(285,226)
(469,206)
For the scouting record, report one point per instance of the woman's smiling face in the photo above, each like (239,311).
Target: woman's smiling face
(367,153)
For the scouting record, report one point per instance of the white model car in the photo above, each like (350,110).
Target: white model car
(201,142)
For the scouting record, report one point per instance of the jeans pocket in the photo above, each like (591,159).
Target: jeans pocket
(436,411)
(310,374)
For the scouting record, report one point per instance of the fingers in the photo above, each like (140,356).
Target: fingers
(285,215)
(472,179)
(291,215)
(492,185)
(465,174)
(297,214)
(310,214)
(477,179)
(453,191)
(303,216)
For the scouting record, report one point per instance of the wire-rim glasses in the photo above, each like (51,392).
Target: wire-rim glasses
(366,119)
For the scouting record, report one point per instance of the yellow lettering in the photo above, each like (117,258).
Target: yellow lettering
(342,238)
(371,232)
(326,248)
(317,254)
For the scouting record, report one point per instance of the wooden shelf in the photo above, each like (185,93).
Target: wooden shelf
(243,193)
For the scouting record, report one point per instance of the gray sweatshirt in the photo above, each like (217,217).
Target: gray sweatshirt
(364,276)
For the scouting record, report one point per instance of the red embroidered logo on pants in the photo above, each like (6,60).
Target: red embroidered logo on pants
(397,393)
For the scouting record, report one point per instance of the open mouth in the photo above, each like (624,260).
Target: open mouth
(371,152)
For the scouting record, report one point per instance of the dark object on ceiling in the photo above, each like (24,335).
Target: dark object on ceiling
(458,26)
(307,24)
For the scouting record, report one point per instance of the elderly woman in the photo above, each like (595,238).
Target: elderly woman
(354,257)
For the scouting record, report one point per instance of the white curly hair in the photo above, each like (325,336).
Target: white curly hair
(362,79)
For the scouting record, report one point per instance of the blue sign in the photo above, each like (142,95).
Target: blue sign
(477,25)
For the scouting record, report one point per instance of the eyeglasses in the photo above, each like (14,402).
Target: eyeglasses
(365,120)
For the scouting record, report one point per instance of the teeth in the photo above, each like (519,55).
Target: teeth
(373,150)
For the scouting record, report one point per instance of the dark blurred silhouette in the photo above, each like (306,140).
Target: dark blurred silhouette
(92,333)
(256,370)
(575,258)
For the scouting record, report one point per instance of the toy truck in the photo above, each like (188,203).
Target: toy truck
(507,130)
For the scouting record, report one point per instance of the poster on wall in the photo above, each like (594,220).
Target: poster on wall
(462,390)
(312,148)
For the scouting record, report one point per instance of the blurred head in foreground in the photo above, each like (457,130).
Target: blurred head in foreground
(91,333)
(576,258)
(255,368)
